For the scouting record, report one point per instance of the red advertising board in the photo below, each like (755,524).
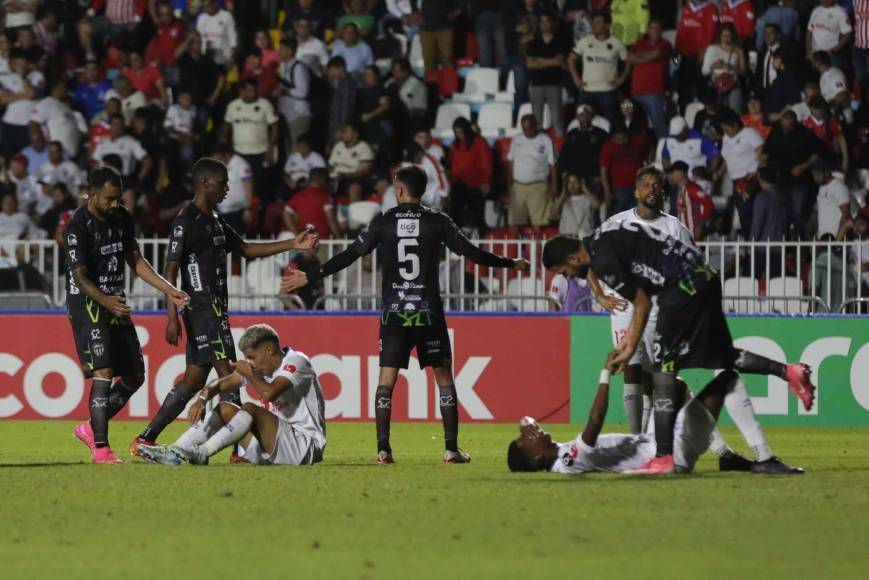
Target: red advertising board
(505,367)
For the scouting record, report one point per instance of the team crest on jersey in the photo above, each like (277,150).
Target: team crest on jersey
(71,240)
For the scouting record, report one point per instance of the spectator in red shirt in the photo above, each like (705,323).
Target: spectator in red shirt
(827,129)
(696,32)
(754,118)
(263,41)
(741,14)
(266,77)
(313,205)
(163,48)
(650,57)
(620,159)
(471,173)
(146,79)
(693,206)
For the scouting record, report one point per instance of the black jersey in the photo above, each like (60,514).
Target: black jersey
(410,238)
(199,242)
(630,255)
(100,246)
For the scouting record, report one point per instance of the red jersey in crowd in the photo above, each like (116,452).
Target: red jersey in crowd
(650,78)
(168,38)
(310,206)
(826,130)
(623,161)
(471,165)
(696,28)
(693,207)
(861,23)
(121,11)
(145,80)
(740,13)
(756,123)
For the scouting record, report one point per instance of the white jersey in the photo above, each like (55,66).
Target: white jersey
(613,452)
(302,405)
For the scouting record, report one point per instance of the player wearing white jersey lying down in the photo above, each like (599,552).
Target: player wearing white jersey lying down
(289,430)
(534,449)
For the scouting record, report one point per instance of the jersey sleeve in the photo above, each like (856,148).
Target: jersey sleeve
(558,289)
(293,368)
(233,240)
(129,234)
(608,267)
(77,244)
(177,234)
(370,237)
(456,241)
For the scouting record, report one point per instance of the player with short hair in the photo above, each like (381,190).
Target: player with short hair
(410,237)
(198,246)
(289,430)
(639,261)
(638,381)
(534,449)
(99,240)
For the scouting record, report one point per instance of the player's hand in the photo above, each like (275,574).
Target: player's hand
(197,411)
(178,297)
(173,331)
(242,368)
(118,306)
(618,359)
(307,239)
(521,265)
(293,281)
(613,304)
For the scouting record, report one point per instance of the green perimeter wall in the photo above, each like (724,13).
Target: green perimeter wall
(836,348)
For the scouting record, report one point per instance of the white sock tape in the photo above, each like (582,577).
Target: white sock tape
(604,377)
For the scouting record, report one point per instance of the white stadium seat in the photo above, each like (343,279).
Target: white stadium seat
(691,113)
(526,109)
(741,287)
(495,119)
(360,213)
(480,84)
(787,286)
(447,114)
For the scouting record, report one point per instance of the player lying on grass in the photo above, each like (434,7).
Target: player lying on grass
(289,430)
(534,449)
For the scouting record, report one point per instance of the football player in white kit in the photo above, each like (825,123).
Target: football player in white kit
(638,384)
(534,449)
(289,430)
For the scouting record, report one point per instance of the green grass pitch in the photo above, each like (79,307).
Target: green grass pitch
(348,518)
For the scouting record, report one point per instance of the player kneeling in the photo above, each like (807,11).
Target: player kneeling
(534,449)
(289,430)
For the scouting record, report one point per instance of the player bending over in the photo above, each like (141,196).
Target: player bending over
(534,449)
(289,430)
(411,238)
(640,262)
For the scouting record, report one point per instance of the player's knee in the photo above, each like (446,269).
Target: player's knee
(249,407)
(227,411)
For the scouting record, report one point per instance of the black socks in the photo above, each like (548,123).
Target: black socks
(382,415)
(667,399)
(99,408)
(172,406)
(748,362)
(450,414)
(119,396)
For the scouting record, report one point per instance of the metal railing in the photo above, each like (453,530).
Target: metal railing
(757,277)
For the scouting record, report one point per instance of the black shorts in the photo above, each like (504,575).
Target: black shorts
(104,341)
(209,337)
(692,330)
(432,345)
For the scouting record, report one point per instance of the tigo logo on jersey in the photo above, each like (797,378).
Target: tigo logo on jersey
(290,368)
(408,228)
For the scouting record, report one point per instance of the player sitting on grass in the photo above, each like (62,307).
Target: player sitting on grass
(290,430)
(534,449)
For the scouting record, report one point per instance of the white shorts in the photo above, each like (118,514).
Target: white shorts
(645,353)
(292,447)
(694,426)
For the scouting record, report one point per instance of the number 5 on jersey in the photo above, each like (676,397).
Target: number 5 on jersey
(410,268)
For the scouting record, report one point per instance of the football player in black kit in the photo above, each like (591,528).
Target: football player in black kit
(410,237)
(99,240)
(198,246)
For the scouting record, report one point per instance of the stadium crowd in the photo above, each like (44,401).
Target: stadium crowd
(757,110)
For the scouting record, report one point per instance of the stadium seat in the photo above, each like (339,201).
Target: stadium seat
(480,84)
(360,213)
(263,277)
(495,119)
(447,114)
(526,109)
(415,55)
(509,93)
(691,113)
(787,286)
(745,288)
(238,292)
(526,295)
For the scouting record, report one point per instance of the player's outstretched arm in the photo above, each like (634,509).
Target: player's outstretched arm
(459,244)
(628,345)
(306,240)
(597,414)
(143,269)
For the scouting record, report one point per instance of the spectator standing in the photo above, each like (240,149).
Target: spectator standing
(784,91)
(833,84)
(600,55)
(37,151)
(254,128)
(167,41)
(237,207)
(649,58)
(470,175)
(802,109)
(620,159)
(828,130)
(436,33)
(313,204)
(422,137)
(320,19)
(91,93)
(181,125)
(544,59)
(115,20)
(294,78)
(577,208)
(343,101)
(740,13)
(693,206)
(766,71)
(829,30)
(690,146)
(437,188)
(131,99)
(356,14)
(834,201)
(581,150)
(860,56)
(216,27)
(374,104)
(355,52)
(531,176)
(490,30)
(60,122)
(310,50)
(783,14)
(724,65)
(740,150)
(199,73)
(769,223)
(696,31)
(409,89)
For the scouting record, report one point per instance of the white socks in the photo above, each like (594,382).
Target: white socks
(633,397)
(647,412)
(718,445)
(739,406)
(232,432)
(200,431)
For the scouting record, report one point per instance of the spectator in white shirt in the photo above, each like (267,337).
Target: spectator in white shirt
(311,50)
(577,207)
(834,85)
(58,169)
(437,188)
(423,138)
(31,198)
(127,148)
(254,127)
(217,28)
(410,90)
(599,55)
(131,99)
(741,147)
(14,225)
(294,86)
(350,162)
(531,176)
(297,169)
(19,88)
(725,58)
(236,208)
(59,120)
(834,201)
(830,30)
(180,122)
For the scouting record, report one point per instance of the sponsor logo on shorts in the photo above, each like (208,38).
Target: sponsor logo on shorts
(409,297)
(408,228)
(202,338)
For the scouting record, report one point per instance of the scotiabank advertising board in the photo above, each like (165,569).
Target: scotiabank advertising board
(504,366)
